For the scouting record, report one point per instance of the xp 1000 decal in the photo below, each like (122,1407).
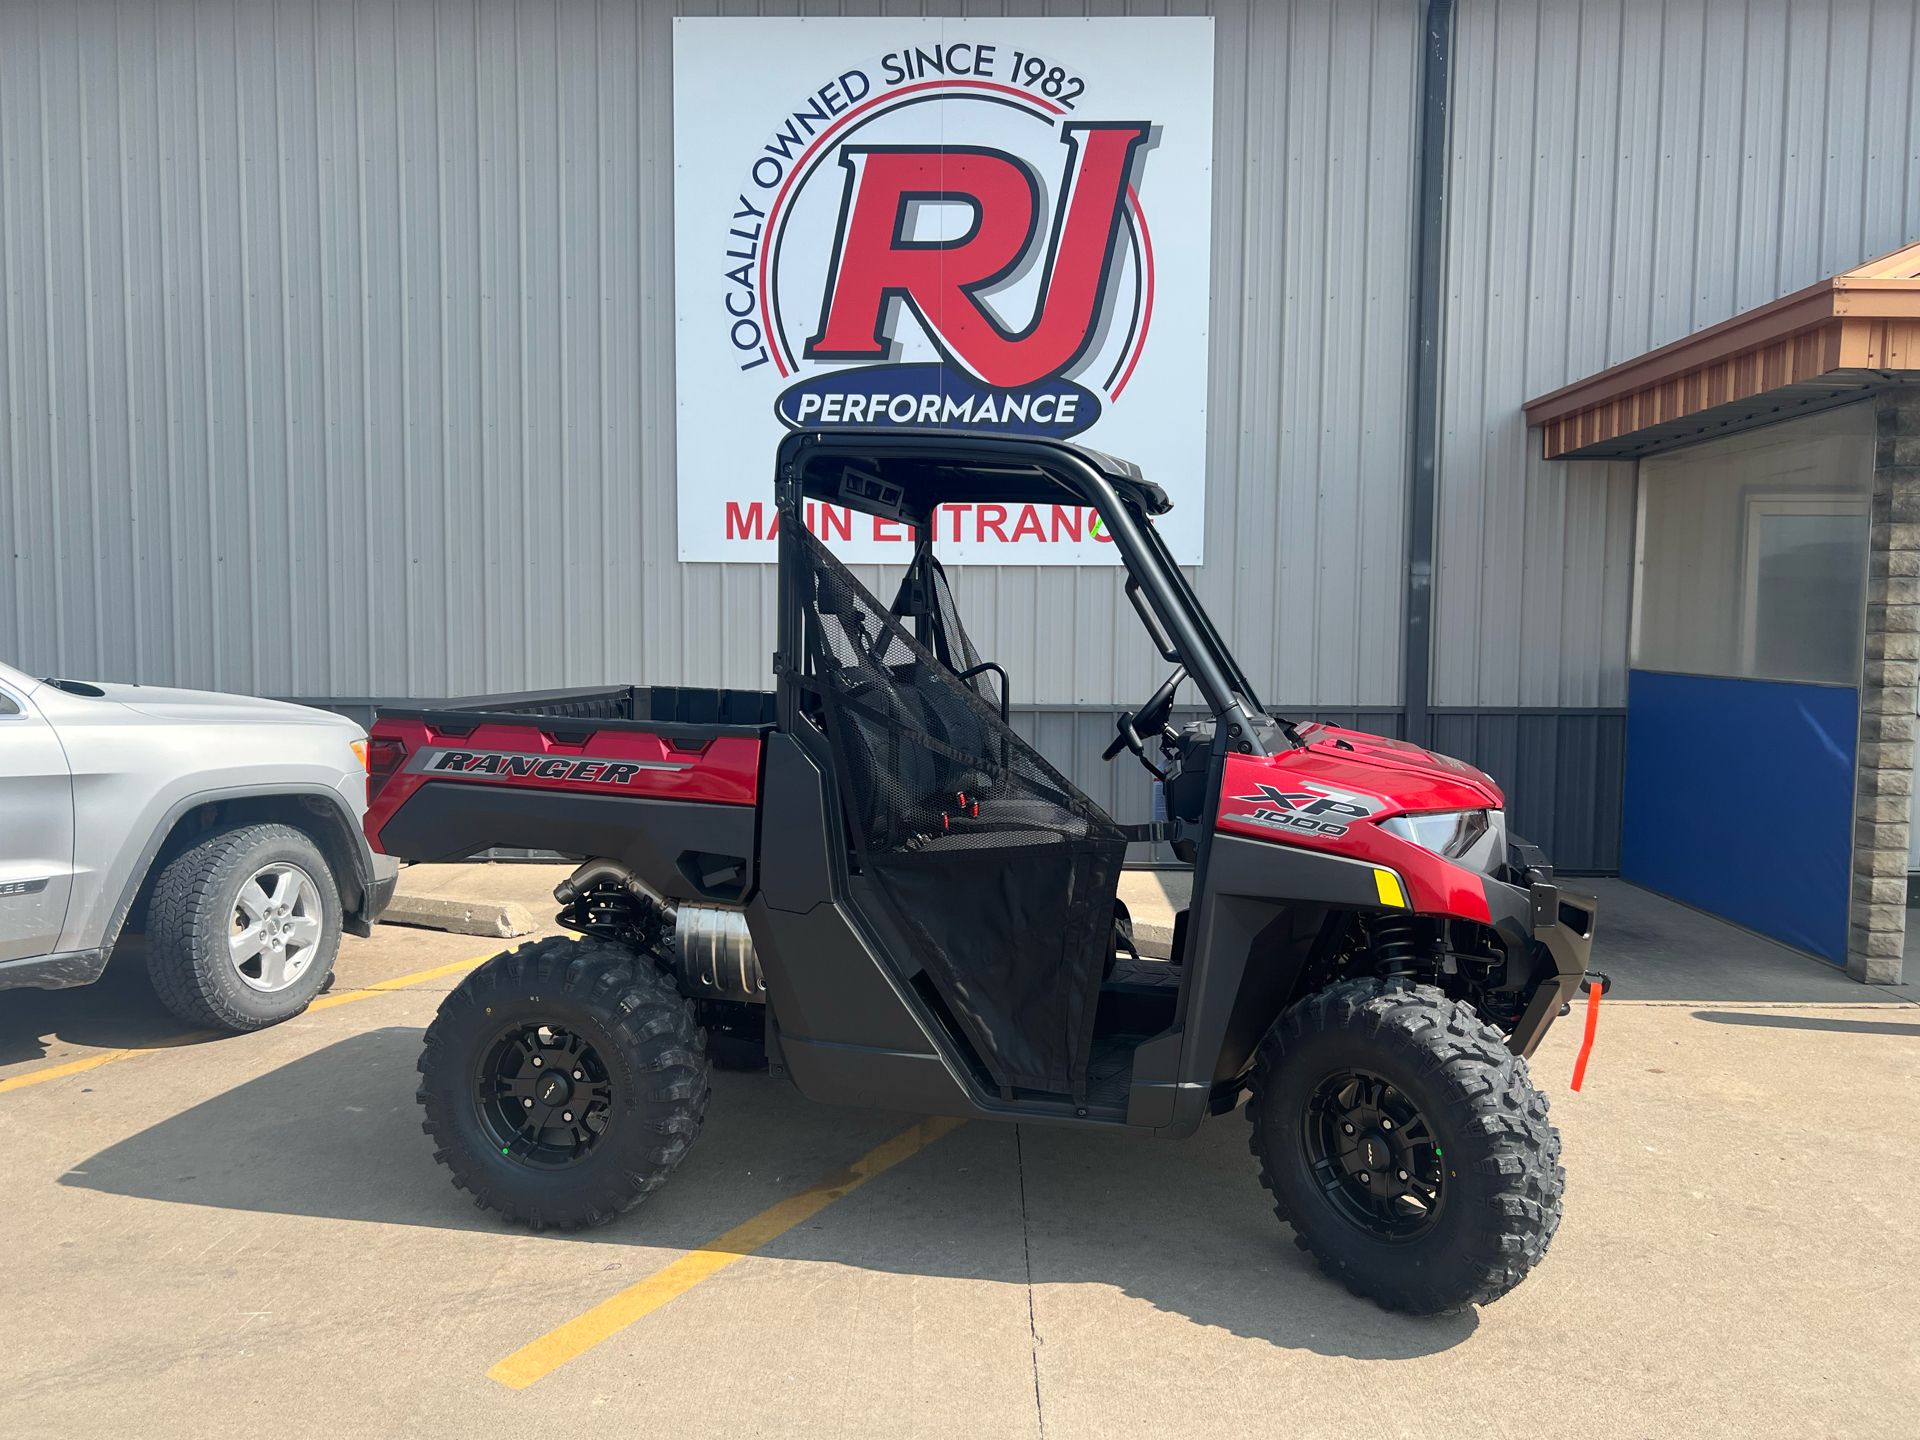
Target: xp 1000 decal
(1303,808)
(988,225)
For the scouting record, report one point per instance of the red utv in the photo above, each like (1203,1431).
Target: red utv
(867,872)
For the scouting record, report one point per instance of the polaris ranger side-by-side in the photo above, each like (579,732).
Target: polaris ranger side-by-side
(870,874)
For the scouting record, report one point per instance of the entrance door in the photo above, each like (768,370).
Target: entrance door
(36,831)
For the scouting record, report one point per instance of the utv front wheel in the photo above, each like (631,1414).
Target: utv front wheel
(1405,1144)
(563,1082)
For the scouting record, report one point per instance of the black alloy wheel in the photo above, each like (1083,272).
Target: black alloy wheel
(1373,1155)
(1406,1145)
(564,1080)
(544,1094)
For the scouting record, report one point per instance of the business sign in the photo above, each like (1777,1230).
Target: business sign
(990,225)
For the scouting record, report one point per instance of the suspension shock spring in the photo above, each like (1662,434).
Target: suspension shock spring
(1395,942)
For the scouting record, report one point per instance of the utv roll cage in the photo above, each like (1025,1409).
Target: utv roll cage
(891,474)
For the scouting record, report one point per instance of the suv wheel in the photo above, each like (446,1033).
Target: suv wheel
(563,1082)
(1406,1145)
(243,927)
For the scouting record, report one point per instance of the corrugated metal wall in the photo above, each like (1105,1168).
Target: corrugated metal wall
(338,346)
(1562,771)
(339,357)
(1624,172)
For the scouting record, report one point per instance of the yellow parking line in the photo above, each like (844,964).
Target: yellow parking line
(542,1357)
(325,1002)
(404,982)
(94,1062)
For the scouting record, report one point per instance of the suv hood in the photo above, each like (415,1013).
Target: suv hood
(1410,762)
(212,705)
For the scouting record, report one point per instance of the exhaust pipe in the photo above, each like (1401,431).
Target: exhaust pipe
(595,874)
(713,949)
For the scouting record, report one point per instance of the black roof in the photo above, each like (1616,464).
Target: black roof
(910,471)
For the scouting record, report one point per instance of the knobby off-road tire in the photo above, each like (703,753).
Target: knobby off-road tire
(202,901)
(644,1077)
(1498,1171)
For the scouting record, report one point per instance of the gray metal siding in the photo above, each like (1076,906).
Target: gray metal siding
(1562,773)
(1622,174)
(338,357)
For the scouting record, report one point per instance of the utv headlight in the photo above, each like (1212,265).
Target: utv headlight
(1476,839)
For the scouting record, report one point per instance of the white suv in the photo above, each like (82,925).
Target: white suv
(227,828)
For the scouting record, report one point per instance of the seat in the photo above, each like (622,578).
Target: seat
(925,596)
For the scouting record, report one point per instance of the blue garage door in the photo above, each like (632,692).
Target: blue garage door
(1739,799)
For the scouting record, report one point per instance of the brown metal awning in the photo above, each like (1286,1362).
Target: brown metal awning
(1822,346)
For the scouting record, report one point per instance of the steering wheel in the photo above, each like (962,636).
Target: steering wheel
(1135,726)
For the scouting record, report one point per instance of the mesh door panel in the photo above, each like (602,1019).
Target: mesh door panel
(997,874)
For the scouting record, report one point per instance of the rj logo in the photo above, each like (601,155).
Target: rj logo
(877,260)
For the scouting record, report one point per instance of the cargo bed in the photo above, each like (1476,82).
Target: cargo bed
(664,779)
(645,706)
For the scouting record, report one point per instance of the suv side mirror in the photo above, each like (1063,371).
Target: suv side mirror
(1147,618)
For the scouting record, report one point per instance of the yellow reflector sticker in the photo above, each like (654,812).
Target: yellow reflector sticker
(1388,884)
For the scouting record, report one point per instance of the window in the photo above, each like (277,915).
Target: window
(1752,556)
(1805,587)
(8,705)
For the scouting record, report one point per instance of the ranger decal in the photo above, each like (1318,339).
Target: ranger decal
(501,765)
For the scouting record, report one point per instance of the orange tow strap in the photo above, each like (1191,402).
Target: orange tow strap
(1586,1044)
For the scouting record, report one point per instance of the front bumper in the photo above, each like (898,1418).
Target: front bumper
(379,891)
(1538,915)
(379,875)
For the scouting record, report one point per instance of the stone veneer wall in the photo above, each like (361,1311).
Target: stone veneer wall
(1883,786)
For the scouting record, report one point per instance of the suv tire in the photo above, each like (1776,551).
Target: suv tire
(1471,1124)
(243,927)
(573,1144)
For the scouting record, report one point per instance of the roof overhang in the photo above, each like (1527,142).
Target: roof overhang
(1822,346)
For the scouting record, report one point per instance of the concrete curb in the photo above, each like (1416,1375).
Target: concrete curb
(1154,942)
(497,919)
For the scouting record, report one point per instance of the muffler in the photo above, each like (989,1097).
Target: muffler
(716,955)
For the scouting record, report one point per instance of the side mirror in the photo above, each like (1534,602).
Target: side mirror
(1147,618)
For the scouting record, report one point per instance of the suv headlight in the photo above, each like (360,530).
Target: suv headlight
(1476,839)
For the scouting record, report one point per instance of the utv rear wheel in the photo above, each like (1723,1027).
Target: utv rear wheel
(1406,1145)
(563,1082)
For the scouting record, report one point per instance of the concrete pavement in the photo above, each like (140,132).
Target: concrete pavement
(249,1236)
